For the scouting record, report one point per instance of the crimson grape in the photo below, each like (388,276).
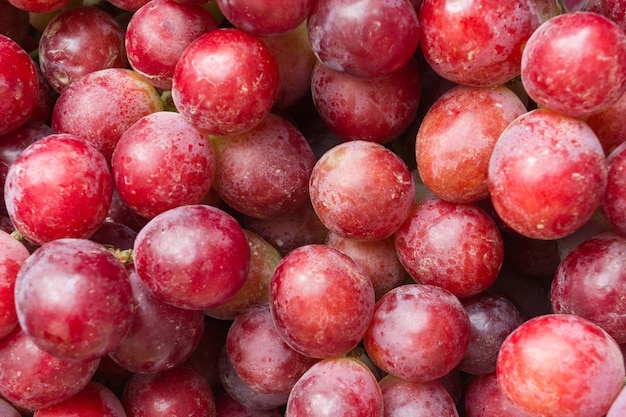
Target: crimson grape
(193,256)
(340,386)
(281,177)
(14,22)
(72,193)
(262,18)
(613,204)
(235,86)
(160,337)
(95,400)
(561,365)
(451,245)
(12,256)
(321,301)
(162,162)
(31,378)
(364,38)
(226,406)
(79,41)
(547,174)
(575,64)
(484,398)
(609,126)
(362,190)
(19,85)
(419,399)
(73,298)
(378,110)
(418,332)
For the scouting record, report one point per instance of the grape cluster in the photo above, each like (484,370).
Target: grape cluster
(312,208)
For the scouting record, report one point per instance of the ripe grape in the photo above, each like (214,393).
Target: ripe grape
(418,332)
(547,174)
(226,406)
(365,38)
(14,22)
(73,298)
(361,190)
(193,256)
(419,399)
(19,85)
(321,301)
(79,41)
(162,162)
(609,126)
(262,18)
(451,245)
(340,386)
(377,110)
(95,400)
(575,64)
(560,365)
(12,256)
(72,193)
(233,89)
(613,204)
(484,398)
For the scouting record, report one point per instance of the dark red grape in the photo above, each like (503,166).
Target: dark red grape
(613,204)
(418,399)
(95,400)
(12,256)
(262,18)
(484,398)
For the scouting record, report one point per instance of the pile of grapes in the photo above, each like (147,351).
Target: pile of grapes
(312,208)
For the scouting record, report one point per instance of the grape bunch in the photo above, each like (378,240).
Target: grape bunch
(312,208)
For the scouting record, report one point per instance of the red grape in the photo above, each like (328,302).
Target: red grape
(95,400)
(484,398)
(417,399)
(340,386)
(575,64)
(259,355)
(31,378)
(456,138)
(101,105)
(205,357)
(454,246)
(362,190)
(79,41)
(233,88)
(160,337)
(378,110)
(609,126)
(321,301)
(263,184)
(73,298)
(72,192)
(478,43)
(618,408)
(162,162)
(40,6)
(176,392)
(418,332)
(19,85)
(226,406)
(193,256)
(13,255)
(613,204)
(547,174)
(157,35)
(365,38)
(14,22)
(561,365)
(262,17)
(590,282)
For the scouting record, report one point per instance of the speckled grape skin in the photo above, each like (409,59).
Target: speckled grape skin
(260,356)
(377,110)
(340,386)
(69,183)
(420,399)
(74,299)
(162,162)
(547,174)
(95,400)
(192,256)
(454,246)
(158,33)
(456,137)
(561,365)
(613,204)
(96,39)
(13,254)
(575,64)
(264,172)
(225,82)
(19,85)
(478,43)
(31,378)
(321,301)
(262,17)
(484,398)
(367,39)
(361,190)
(418,332)
(590,281)
(100,106)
